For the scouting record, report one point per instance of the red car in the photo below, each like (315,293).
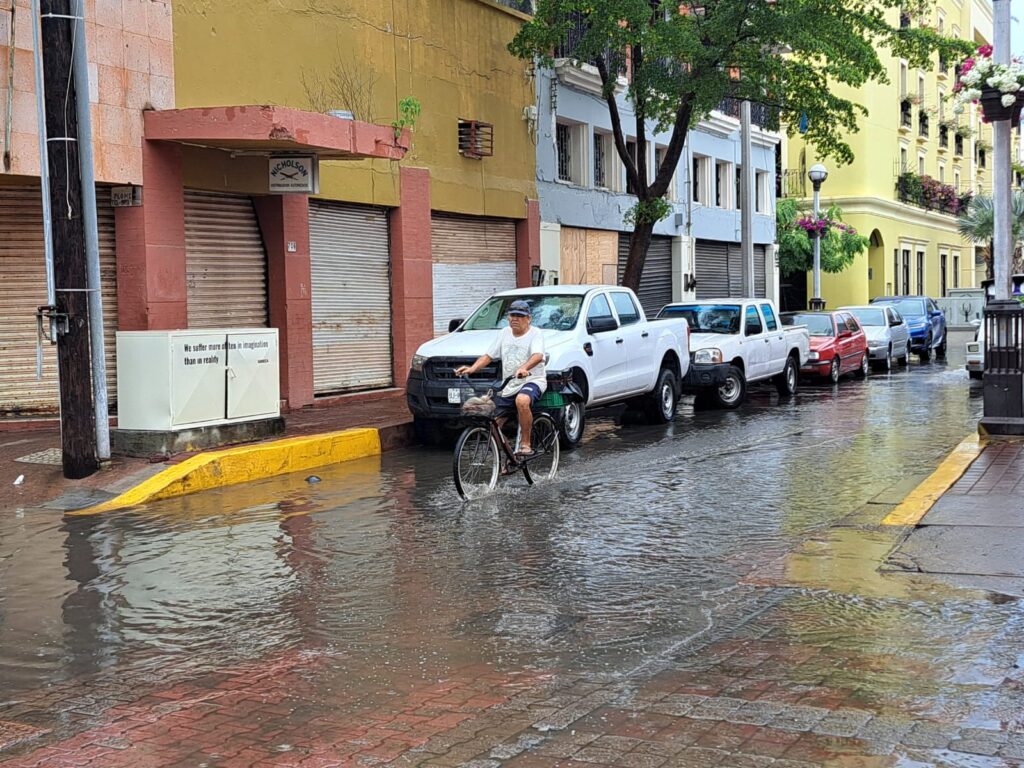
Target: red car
(838,344)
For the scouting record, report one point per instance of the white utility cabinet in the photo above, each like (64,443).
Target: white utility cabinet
(172,380)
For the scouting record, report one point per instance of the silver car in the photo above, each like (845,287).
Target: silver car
(887,332)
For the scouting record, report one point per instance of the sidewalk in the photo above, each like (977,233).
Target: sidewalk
(43,484)
(972,536)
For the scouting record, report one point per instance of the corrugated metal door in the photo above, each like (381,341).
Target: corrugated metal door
(225,261)
(760,272)
(351,291)
(473,257)
(23,289)
(656,279)
(711,264)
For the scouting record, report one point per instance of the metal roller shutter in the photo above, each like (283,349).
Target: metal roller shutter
(656,279)
(351,297)
(225,261)
(760,285)
(473,257)
(711,265)
(23,289)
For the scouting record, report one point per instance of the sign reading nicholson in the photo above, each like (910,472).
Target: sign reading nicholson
(294,173)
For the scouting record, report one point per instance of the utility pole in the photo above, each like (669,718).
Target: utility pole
(746,202)
(77,420)
(1002,255)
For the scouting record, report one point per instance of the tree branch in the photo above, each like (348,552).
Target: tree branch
(616,119)
(640,103)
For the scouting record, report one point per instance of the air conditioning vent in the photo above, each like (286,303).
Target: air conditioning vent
(476,139)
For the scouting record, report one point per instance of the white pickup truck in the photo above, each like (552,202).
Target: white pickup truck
(597,333)
(735,342)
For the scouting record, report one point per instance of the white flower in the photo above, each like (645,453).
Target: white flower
(958,108)
(972,94)
(972,77)
(1009,99)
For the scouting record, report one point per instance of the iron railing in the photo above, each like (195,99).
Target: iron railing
(1004,359)
(906,113)
(791,183)
(922,125)
(761,115)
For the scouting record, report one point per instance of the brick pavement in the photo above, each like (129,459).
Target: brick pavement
(998,471)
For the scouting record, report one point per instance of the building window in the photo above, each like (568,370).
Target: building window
(896,271)
(956,270)
(660,153)
(943,273)
(906,272)
(631,151)
(920,165)
(904,79)
(600,160)
(701,181)
(563,142)
(903,160)
(738,188)
(570,145)
(920,89)
(942,173)
(723,183)
(761,187)
(920,273)
(956,179)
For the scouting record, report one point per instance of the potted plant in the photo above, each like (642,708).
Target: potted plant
(998,88)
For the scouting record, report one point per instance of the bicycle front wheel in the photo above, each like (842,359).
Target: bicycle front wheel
(476,463)
(545,442)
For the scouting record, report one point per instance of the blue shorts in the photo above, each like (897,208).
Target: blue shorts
(503,406)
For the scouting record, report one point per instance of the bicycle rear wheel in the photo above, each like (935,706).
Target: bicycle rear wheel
(544,465)
(476,463)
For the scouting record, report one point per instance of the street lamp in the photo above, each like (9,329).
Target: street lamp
(817,174)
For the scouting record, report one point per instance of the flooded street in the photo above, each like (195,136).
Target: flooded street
(658,553)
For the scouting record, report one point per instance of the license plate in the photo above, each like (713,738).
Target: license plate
(455,395)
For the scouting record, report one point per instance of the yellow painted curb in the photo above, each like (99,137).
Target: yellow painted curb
(244,464)
(923,498)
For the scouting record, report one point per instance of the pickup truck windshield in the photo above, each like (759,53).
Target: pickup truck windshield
(870,317)
(817,325)
(553,312)
(908,307)
(707,318)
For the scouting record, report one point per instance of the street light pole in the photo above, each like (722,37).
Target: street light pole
(1003,244)
(817,174)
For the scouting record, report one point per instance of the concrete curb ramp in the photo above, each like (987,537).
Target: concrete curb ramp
(244,464)
(924,497)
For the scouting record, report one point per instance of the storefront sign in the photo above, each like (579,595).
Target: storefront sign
(294,174)
(125,197)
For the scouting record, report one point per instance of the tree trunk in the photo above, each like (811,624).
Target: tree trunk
(638,243)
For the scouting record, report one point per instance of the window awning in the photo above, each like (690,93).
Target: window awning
(256,129)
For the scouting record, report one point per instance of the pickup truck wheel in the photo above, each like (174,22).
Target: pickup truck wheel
(731,392)
(574,421)
(661,402)
(785,382)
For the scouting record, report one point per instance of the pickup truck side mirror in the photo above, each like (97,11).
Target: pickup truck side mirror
(453,325)
(601,324)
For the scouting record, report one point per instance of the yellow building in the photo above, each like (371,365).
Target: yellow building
(910,132)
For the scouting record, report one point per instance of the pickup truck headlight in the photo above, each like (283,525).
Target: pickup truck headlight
(813,356)
(707,356)
(418,361)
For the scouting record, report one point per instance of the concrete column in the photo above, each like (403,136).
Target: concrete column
(682,266)
(284,223)
(151,283)
(412,278)
(551,249)
(528,244)
(771,270)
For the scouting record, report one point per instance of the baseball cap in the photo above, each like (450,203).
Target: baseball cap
(519,307)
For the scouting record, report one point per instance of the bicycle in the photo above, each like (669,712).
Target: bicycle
(483,452)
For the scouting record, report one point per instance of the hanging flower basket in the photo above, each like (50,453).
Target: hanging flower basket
(993,107)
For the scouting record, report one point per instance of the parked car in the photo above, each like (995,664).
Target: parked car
(597,334)
(735,342)
(887,332)
(838,344)
(926,321)
(976,354)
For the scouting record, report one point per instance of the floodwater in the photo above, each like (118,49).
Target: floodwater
(649,538)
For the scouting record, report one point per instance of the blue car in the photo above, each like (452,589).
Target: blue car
(926,322)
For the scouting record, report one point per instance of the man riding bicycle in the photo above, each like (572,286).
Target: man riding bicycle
(520,347)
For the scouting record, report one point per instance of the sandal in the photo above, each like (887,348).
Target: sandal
(524,455)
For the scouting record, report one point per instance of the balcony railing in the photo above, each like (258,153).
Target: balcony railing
(958,144)
(944,136)
(922,125)
(906,113)
(761,115)
(930,194)
(577,29)
(791,183)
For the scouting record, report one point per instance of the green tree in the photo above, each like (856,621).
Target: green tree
(839,247)
(685,56)
(977,224)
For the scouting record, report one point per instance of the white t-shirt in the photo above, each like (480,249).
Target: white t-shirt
(514,351)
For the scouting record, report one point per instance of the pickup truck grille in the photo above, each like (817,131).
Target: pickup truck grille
(443,369)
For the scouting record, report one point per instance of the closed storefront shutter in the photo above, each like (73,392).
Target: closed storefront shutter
(473,257)
(351,291)
(225,261)
(656,279)
(712,269)
(23,289)
(760,286)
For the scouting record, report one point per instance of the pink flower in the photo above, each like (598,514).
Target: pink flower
(966,66)
(985,50)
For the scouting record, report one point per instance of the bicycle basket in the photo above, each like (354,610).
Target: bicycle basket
(482,405)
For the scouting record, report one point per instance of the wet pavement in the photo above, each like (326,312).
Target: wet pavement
(702,593)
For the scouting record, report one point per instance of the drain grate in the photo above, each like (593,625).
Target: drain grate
(12,733)
(51,457)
